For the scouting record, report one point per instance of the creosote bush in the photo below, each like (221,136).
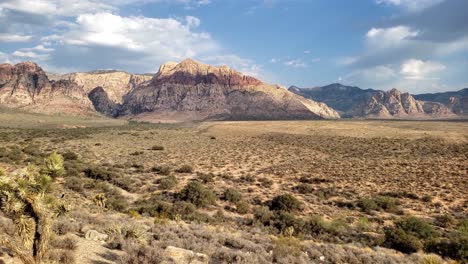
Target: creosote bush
(198,194)
(285,202)
(184,169)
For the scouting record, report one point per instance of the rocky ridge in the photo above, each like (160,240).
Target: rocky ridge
(192,90)
(369,103)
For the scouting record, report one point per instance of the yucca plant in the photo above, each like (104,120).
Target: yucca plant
(54,165)
(23,199)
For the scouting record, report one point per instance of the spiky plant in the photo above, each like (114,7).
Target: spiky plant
(100,200)
(23,199)
(54,165)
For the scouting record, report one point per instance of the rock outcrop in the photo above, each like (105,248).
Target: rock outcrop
(456,101)
(26,86)
(352,101)
(116,84)
(193,91)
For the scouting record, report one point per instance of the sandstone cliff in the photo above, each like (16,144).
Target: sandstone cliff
(190,90)
(116,84)
(26,86)
(395,104)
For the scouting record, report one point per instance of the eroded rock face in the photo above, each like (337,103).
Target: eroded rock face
(191,90)
(26,86)
(115,83)
(102,103)
(395,104)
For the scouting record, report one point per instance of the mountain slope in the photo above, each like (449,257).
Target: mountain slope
(193,91)
(26,86)
(340,97)
(355,102)
(456,101)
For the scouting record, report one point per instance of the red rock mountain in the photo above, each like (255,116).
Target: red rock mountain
(194,91)
(26,86)
(183,91)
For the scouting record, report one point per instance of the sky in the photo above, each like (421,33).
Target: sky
(414,45)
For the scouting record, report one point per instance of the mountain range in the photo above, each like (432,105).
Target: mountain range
(351,101)
(190,90)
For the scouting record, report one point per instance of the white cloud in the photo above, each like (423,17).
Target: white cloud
(14,38)
(163,38)
(296,63)
(347,60)
(414,69)
(378,74)
(411,5)
(389,37)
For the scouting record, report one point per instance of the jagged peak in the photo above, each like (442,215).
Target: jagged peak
(195,69)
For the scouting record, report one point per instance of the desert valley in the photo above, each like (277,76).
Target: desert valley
(180,168)
(233,132)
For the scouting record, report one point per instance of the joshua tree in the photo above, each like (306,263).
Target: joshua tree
(23,199)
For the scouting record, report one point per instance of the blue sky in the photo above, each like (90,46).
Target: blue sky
(414,45)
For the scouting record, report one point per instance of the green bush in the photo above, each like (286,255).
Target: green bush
(74,184)
(285,202)
(206,177)
(416,226)
(242,207)
(98,173)
(162,170)
(168,182)
(454,247)
(400,240)
(198,194)
(232,195)
(184,169)
(70,155)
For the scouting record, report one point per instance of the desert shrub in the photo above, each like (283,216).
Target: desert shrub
(265,182)
(117,201)
(409,234)
(304,188)
(263,215)
(98,173)
(157,147)
(162,170)
(61,256)
(184,169)
(123,182)
(168,182)
(64,226)
(427,198)
(182,209)
(282,220)
(385,203)
(67,243)
(286,246)
(70,155)
(416,226)
(454,247)
(74,184)
(400,240)
(249,178)
(206,177)
(242,207)
(32,150)
(141,254)
(155,206)
(285,202)
(137,153)
(198,194)
(444,220)
(232,195)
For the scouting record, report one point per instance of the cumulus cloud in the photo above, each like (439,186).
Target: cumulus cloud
(389,37)
(414,69)
(14,38)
